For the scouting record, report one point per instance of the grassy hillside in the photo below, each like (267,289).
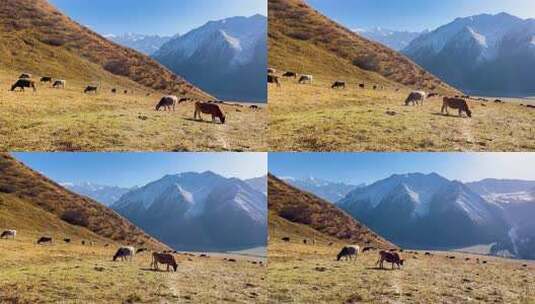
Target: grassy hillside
(39,39)
(299,273)
(68,120)
(303,40)
(86,274)
(314,117)
(35,205)
(300,207)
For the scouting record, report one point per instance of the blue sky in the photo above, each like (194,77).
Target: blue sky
(164,17)
(131,169)
(367,168)
(415,15)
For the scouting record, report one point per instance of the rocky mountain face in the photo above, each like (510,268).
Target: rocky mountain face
(199,211)
(227,58)
(427,211)
(486,54)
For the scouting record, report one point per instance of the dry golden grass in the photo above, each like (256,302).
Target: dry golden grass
(299,273)
(68,120)
(317,118)
(72,273)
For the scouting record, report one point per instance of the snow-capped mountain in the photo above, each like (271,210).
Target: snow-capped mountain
(199,211)
(396,40)
(258,183)
(106,195)
(329,191)
(426,211)
(227,58)
(146,44)
(484,54)
(517,199)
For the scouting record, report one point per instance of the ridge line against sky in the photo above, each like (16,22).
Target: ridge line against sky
(415,15)
(357,168)
(138,169)
(155,17)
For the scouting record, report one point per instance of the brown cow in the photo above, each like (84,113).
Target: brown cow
(46,79)
(93,89)
(208,108)
(390,257)
(44,239)
(273,79)
(456,103)
(163,258)
(290,74)
(339,84)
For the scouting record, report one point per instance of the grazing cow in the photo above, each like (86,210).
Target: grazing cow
(348,252)
(415,97)
(126,91)
(89,89)
(271,71)
(45,79)
(369,248)
(124,253)
(286,239)
(362,86)
(60,83)
(273,79)
(114,90)
(163,258)
(375,87)
(67,240)
(208,108)
(338,84)
(456,103)
(305,241)
(25,76)
(331,243)
(83,242)
(498,101)
(306,79)
(8,233)
(390,257)
(44,239)
(167,102)
(254,107)
(428,253)
(290,74)
(24,83)
(140,250)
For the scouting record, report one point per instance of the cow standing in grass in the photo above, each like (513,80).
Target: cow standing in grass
(273,79)
(416,98)
(348,252)
(163,258)
(8,233)
(390,257)
(167,102)
(455,103)
(60,83)
(124,253)
(44,240)
(90,89)
(208,108)
(305,79)
(23,83)
(339,84)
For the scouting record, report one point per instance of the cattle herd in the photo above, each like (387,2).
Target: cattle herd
(123,253)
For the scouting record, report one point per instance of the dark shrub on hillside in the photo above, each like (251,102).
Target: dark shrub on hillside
(75,217)
(368,63)
(117,67)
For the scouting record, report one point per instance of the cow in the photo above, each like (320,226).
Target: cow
(60,83)
(66,240)
(164,258)
(305,79)
(25,76)
(273,79)
(286,239)
(140,250)
(167,102)
(124,253)
(305,241)
(91,88)
(24,83)
(126,91)
(44,239)
(369,248)
(375,87)
(390,257)
(431,95)
(45,79)
(290,74)
(339,84)
(415,97)
(114,91)
(8,233)
(208,108)
(254,107)
(362,86)
(455,103)
(348,252)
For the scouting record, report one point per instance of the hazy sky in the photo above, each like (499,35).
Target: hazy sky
(369,167)
(131,169)
(164,17)
(415,15)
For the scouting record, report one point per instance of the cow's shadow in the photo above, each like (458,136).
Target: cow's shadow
(446,115)
(152,270)
(200,121)
(377,268)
